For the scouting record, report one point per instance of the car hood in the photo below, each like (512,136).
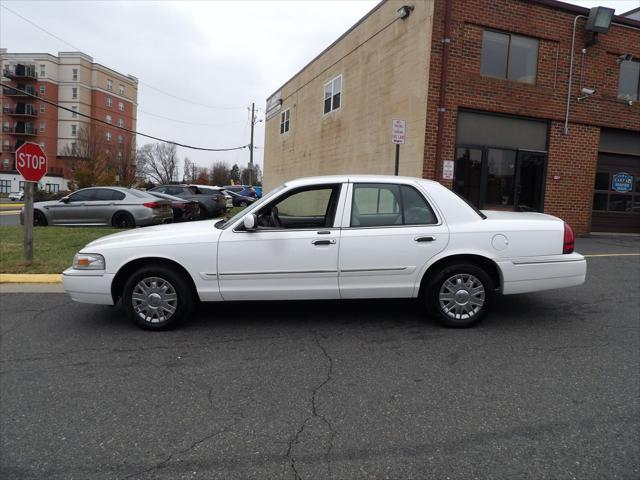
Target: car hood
(170,234)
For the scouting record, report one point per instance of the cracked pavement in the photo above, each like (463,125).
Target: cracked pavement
(548,386)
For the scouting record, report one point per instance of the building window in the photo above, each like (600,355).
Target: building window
(109,102)
(332,94)
(74,114)
(42,89)
(74,130)
(108,118)
(5,186)
(120,139)
(42,107)
(510,57)
(107,136)
(629,81)
(74,92)
(74,148)
(122,90)
(74,74)
(284,121)
(42,127)
(42,70)
(52,187)
(121,106)
(6,163)
(120,154)
(110,85)
(121,123)
(21,184)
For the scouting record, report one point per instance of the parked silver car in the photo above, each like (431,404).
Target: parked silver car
(115,206)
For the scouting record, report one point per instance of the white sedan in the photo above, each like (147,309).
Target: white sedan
(330,238)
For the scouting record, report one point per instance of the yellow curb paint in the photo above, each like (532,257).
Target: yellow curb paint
(10,212)
(11,205)
(613,255)
(30,278)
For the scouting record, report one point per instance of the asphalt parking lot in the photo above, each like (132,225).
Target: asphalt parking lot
(548,386)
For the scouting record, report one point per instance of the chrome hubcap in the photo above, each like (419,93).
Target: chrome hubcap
(461,296)
(154,300)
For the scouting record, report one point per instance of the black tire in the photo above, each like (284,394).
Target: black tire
(160,280)
(123,220)
(39,220)
(460,295)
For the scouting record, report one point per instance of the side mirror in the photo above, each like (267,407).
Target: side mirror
(64,199)
(250,222)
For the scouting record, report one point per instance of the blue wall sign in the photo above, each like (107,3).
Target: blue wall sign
(622,182)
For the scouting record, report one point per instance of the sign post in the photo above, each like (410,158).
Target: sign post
(398,129)
(31,163)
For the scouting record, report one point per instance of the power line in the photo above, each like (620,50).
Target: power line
(121,128)
(139,81)
(190,123)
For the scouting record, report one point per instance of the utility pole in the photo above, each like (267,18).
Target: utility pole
(253,122)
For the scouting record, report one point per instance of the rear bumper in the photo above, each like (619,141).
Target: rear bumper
(533,274)
(88,287)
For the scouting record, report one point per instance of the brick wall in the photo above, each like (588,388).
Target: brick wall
(572,157)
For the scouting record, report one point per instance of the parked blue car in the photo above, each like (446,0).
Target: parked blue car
(244,190)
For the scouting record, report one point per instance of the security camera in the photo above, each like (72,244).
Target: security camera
(587,92)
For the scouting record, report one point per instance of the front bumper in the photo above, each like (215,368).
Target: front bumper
(88,286)
(533,274)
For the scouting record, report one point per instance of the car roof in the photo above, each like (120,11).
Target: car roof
(301,182)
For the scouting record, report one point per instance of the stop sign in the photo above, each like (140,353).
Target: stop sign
(31,161)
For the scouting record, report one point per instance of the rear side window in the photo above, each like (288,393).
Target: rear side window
(383,205)
(108,194)
(173,190)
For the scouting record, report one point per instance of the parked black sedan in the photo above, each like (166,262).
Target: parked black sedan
(240,200)
(183,210)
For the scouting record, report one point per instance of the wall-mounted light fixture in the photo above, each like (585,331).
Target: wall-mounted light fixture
(599,19)
(404,11)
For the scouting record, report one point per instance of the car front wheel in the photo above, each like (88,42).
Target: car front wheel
(39,220)
(460,295)
(157,297)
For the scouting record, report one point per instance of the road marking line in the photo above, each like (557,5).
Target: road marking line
(613,255)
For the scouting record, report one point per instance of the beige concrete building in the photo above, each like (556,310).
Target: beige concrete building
(374,73)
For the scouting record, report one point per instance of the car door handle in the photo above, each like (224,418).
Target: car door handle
(324,242)
(425,239)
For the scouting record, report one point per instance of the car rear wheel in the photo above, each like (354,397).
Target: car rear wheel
(460,295)
(157,297)
(123,220)
(39,220)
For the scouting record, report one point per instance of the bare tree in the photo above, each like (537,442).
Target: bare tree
(220,173)
(158,162)
(250,176)
(125,163)
(89,158)
(190,171)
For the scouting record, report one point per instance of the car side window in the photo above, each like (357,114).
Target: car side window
(173,190)
(383,205)
(83,195)
(108,194)
(307,208)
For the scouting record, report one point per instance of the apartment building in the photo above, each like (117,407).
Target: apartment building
(528,105)
(72,80)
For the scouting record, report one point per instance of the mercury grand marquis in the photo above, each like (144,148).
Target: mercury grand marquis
(334,237)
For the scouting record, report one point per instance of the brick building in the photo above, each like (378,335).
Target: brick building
(484,88)
(74,81)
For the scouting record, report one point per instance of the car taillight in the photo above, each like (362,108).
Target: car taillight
(151,205)
(569,239)
(179,205)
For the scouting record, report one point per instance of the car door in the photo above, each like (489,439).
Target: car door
(390,231)
(293,254)
(74,210)
(102,206)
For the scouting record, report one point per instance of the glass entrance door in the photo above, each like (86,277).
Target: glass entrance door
(500,174)
(530,181)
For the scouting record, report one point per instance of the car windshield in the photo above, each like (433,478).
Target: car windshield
(222,224)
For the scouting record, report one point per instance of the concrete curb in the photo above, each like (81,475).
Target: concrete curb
(30,278)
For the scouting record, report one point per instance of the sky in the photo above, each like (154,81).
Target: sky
(216,57)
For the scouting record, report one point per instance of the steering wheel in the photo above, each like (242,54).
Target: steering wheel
(274,219)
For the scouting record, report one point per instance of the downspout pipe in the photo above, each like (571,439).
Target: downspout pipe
(444,76)
(573,45)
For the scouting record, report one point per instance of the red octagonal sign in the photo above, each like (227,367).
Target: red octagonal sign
(31,161)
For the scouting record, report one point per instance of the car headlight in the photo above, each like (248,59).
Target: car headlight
(88,261)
